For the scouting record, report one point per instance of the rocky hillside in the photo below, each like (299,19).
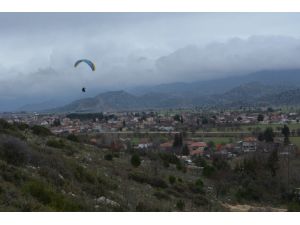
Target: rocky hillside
(43,172)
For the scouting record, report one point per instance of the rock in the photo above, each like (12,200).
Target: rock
(107,201)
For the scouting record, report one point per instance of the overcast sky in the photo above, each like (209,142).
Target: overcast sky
(38,50)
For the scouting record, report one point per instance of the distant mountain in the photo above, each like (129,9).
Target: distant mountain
(288,78)
(286,98)
(108,101)
(40,106)
(261,88)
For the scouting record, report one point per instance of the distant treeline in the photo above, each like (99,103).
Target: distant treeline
(90,116)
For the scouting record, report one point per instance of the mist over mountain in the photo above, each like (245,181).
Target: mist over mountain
(260,88)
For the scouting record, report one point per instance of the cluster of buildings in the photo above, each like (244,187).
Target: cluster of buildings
(169,121)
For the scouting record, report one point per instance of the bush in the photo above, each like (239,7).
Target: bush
(169,158)
(199,183)
(180,205)
(108,157)
(38,190)
(172,179)
(179,166)
(160,195)
(197,187)
(208,171)
(294,207)
(135,160)
(73,137)
(200,201)
(143,178)
(5,125)
(83,175)
(142,207)
(14,151)
(47,196)
(56,143)
(21,126)
(40,130)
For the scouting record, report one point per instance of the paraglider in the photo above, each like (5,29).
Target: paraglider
(88,62)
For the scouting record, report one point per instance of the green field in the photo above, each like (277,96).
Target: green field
(249,128)
(295,140)
(219,140)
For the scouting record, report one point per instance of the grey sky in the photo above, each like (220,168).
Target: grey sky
(38,50)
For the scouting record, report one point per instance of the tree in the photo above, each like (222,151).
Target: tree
(204,121)
(56,123)
(198,122)
(260,117)
(273,162)
(286,132)
(172,179)
(177,140)
(177,117)
(185,150)
(261,136)
(211,145)
(181,119)
(180,205)
(135,160)
(269,134)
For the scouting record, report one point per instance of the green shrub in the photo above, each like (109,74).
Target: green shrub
(14,151)
(179,166)
(201,201)
(142,207)
(143,178)
(21,126)
(169,158)
(196,188)
(172,179)
(5,125)
(294,207)
(108,157)
(208,171)
(56,143)
(199,183)
(83,175)
(44,194)
(135,160)
(180,205)
(38,190)
(40,130)
(166,164)
(161,195)
(73,137)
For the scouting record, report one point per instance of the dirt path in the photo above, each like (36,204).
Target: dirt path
(249,208)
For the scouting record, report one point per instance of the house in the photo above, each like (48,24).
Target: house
(167,146)
(144,146)
(249,144)
(196,145)
(196,148)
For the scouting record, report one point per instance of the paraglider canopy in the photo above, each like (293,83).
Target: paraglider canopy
(88,62)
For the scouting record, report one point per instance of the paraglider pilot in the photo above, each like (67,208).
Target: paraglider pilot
(83,89)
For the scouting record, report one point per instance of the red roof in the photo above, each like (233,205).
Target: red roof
(198,144)
(196,152)
(249,139)
(166,145)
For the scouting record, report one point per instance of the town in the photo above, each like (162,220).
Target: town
(228,133)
